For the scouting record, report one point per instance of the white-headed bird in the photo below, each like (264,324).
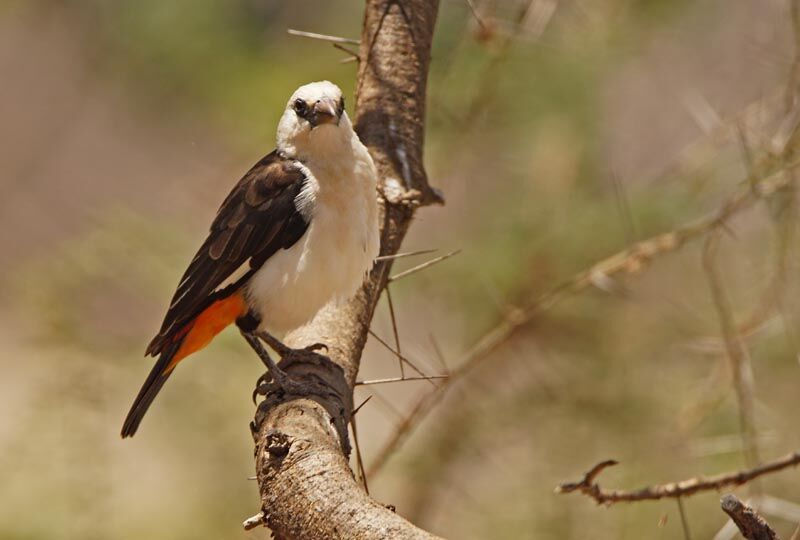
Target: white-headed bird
(298,231)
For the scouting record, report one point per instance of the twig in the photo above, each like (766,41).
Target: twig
(406,254)
(476,15)
(399,379)
(738,355)
(394,330)
(684,522)
(684,488)
(359,461)
(355,411)
(348,50)
(750,524)
(353,54)
(322,37)
(423,266)
(398,355)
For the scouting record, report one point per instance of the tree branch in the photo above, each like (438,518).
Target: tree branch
(750,524)
(589,487)
(307,488)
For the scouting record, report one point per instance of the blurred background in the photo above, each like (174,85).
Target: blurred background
(559,131)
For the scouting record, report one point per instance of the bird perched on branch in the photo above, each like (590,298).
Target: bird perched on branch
(298,231)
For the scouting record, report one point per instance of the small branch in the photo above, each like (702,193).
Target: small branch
(684,488)
(322,37)
(750,524)
(253,521)
(738,355)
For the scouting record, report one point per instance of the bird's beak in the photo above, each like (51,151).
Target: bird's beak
(325,112)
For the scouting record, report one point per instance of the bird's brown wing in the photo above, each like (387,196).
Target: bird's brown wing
(258,218)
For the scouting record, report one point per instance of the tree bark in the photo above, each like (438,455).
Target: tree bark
(301,445)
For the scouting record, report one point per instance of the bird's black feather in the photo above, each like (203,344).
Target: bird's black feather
(258,218)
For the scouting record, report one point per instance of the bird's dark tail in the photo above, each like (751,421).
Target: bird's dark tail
(174,347)
(155,380)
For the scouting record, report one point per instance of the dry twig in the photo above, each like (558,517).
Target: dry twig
(738,355)
(590,488)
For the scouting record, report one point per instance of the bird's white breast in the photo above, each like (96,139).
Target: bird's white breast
(330,261)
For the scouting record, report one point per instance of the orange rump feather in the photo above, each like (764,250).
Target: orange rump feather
(211,321)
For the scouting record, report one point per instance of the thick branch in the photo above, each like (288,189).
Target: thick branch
(589,487)
(750,524)
(307,488)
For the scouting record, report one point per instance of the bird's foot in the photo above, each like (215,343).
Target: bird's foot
(289,354)
(275,377)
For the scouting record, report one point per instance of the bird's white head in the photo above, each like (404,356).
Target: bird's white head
(314,122)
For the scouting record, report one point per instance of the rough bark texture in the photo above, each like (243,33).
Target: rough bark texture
(750,524)
(307,488)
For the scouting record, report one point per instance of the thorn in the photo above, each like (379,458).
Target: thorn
(362,404)
(403,358)
(322,37)
(360,462)
(394,330)
(406,254)
(400,379)
(423,266)
(353,54)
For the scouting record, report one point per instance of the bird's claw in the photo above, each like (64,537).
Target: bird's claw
(261,389)
(275,377)
(314,347)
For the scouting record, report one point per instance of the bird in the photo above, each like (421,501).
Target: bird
(297,232)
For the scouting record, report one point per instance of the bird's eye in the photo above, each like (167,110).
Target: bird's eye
(300,106)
